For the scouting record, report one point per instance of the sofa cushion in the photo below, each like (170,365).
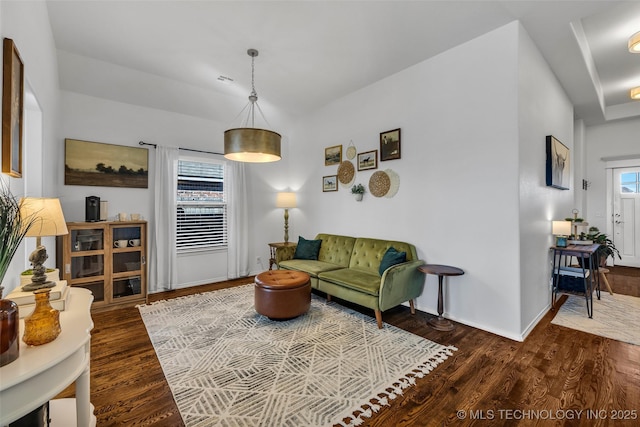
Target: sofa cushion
(358,280)
(391,257)
(336,249)
(307,249)
(367,253)
(311,267)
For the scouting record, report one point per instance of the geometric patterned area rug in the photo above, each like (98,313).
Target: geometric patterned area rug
(226,365)
(614,316)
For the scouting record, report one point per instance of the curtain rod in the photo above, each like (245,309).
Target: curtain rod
(183,149)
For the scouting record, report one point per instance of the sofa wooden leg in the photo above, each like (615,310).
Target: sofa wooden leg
(328,297)
(412,307)
(379,318)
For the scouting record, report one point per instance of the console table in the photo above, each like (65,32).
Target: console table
(587,271)
(41,372)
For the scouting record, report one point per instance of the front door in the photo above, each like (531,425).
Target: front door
(626,215)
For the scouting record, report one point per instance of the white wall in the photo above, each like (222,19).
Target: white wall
(27,23)
(100,120)
(619,138)
(458,198)
(543,109)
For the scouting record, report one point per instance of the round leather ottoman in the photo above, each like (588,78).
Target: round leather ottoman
(282,294)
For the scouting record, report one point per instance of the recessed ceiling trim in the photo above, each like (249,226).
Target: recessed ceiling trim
(583,45)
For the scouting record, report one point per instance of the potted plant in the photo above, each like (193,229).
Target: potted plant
(607,248)
(13,228)
(357,191)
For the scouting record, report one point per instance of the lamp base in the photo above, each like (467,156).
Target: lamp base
(39,279)
(561,241)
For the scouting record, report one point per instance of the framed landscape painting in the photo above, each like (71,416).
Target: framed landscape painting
(12,106)
(333,155)
(558,165)
(105,165)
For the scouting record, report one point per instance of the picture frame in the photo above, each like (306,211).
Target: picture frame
(12,107)
(558,165)
(333,155)
(390,145)
(330,183)
(105,165)
(368,160)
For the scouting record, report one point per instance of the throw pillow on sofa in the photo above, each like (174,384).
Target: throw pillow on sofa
(307,249)
(390,258)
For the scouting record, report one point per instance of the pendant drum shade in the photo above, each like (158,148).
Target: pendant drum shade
(634,43)
(252,145)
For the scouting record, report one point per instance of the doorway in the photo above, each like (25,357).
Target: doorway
(626,215)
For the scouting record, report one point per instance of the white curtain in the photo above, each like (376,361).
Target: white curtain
(163,271)
(237,221)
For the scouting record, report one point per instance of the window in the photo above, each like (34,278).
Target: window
(202,209)
(630,182)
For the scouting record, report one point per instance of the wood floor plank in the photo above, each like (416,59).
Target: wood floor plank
(554,369)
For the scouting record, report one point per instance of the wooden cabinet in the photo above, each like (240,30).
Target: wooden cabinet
(108,258)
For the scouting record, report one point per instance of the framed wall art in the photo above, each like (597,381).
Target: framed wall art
(330,183)
(368,160)
(558,164)
(390,145)
(105,165)
(12,106)
(333,155)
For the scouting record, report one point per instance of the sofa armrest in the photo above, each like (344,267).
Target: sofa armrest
(401,283)
(285,254)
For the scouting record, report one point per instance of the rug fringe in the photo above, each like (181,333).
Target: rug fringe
(375,403)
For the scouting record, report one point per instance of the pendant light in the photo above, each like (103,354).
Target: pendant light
(250,144)
(634,43)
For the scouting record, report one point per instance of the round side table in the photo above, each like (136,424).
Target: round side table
(440,324)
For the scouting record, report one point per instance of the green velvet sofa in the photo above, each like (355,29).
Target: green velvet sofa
(347,268)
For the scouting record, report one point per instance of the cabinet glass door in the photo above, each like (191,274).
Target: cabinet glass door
(126,237)
(87,240)
(87,266)
(126,287)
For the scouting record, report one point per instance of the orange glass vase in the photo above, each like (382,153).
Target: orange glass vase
(43,325)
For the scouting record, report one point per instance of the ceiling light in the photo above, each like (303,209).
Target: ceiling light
(635,93)
(634,43)
(249,144)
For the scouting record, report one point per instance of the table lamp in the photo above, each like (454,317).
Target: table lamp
(561,229)
(287,201)
(48,221)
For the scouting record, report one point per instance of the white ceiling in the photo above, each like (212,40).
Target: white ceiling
(169,54)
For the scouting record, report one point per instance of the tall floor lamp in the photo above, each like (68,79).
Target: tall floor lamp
(286,200)
(49,221)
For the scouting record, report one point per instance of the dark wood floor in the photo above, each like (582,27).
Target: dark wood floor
(490,381)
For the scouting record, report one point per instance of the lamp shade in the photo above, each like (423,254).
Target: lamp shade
(561,228)
(47,214)
(252,145)
(286,200)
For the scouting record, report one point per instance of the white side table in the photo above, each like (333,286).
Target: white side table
(41,372)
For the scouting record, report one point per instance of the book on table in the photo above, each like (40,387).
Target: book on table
(20,297)
(58,298)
